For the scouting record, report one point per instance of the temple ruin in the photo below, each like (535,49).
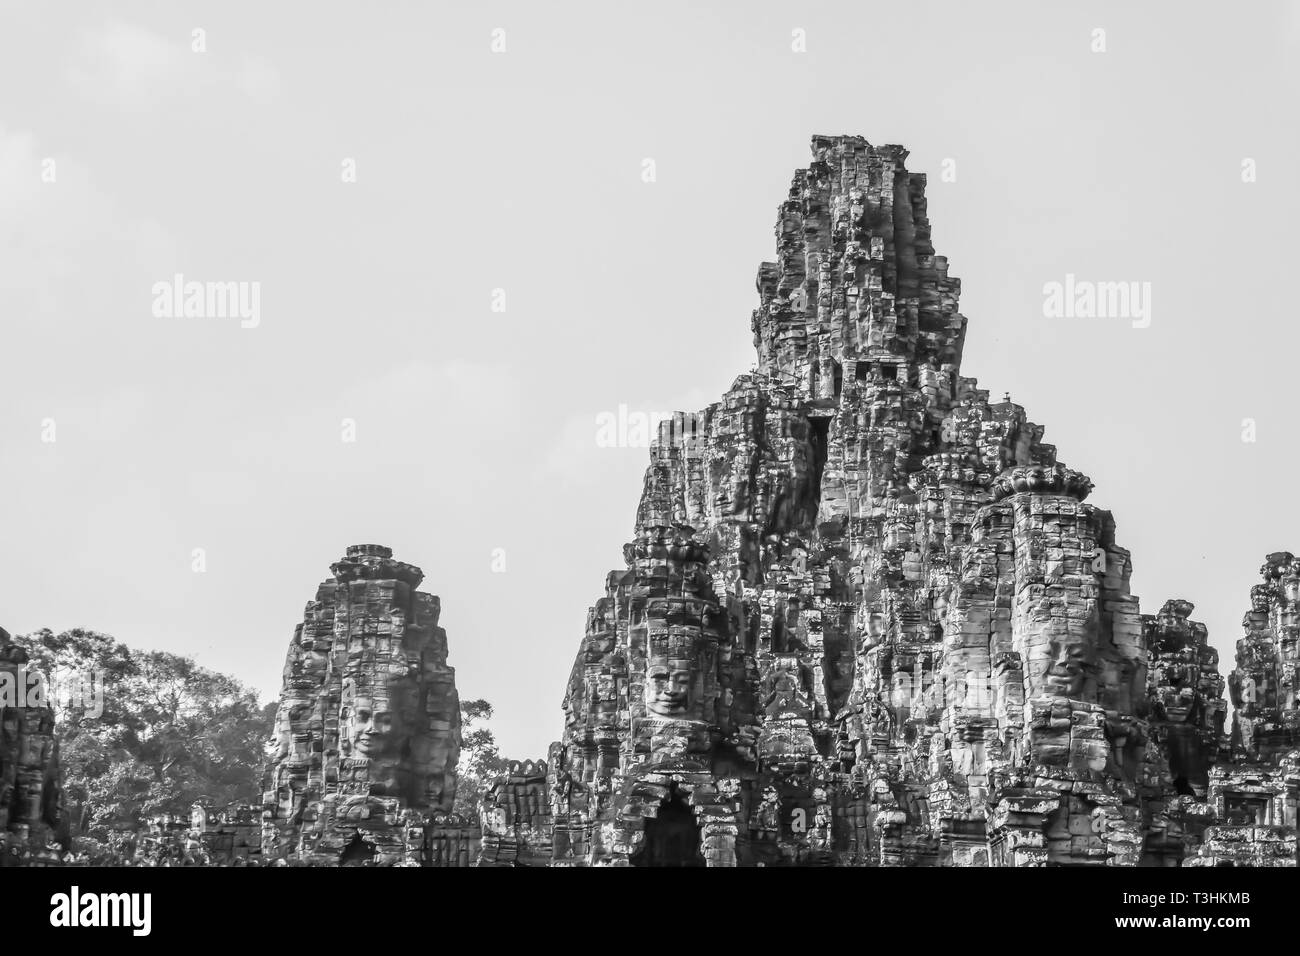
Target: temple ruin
(33,821)
(1253,797)
(362,767)
(869,618)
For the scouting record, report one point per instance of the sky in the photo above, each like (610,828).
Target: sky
(462,260)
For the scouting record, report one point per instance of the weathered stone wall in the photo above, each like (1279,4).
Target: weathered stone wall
(449,840)
(33,822)
(867,617)
(1186,697)
(1252,815)
(1251,812)
(1266,720)
(516,817)
(231,836)
(1186,717)
(367,735)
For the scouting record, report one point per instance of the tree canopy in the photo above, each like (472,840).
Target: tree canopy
(480,758)
(170,734)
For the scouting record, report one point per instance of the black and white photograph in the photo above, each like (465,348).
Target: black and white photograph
(696,434)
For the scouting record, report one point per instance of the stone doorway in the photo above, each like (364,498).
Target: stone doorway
(357,853)
(672,838)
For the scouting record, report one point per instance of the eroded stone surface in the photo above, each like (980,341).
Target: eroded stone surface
(867,617)
(33,822)
(367,735)
(516,812)
(1266,721)
(231,836)
(1252,800)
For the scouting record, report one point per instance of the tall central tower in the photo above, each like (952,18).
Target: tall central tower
(867,617)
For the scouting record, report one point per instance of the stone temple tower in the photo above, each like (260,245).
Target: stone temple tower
(362,762)
(1253,798)
(33,821)
(867,616)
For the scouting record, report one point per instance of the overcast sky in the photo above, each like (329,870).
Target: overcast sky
(522,171)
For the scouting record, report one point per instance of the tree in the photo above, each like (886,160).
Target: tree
(168,733)
(480,758)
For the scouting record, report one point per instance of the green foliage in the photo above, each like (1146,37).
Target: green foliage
(171,733)
(480,759)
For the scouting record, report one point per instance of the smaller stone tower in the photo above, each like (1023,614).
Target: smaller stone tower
(362,759)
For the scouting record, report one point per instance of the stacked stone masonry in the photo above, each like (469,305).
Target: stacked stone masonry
(1252,798)
(33,822)
(228,837)
(516,812)
(868,618)
(362,764)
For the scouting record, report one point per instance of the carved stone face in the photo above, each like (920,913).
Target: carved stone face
(366,727)
(669,687)
(1062,665)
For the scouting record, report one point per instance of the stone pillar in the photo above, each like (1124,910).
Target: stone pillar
(33,822)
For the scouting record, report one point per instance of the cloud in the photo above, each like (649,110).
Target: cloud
(125,66)
(54,221)
(258,80)
(446,391)
(112,417)
(399,414)
(20,174)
